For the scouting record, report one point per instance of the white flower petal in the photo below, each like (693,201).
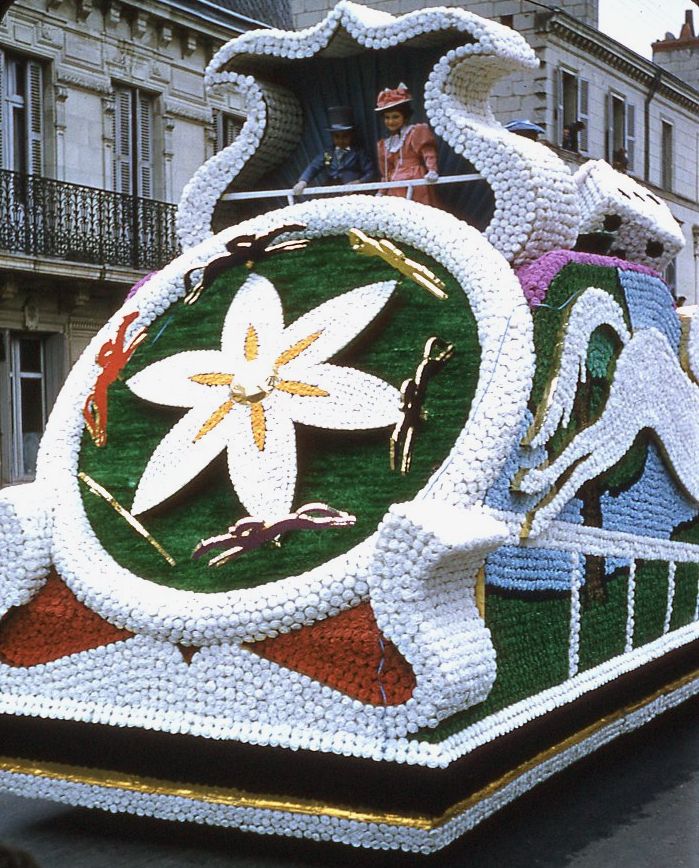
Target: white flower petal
(264,479)
(257,307)
(168,381)
(336,322)
(355,400)
(180,456)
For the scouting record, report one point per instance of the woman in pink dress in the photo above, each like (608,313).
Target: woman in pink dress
(409,151)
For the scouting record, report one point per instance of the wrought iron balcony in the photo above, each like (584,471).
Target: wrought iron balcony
(43,217)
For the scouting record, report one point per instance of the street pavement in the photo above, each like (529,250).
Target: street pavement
(635,804)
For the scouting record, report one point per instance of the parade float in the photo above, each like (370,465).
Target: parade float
(356,522)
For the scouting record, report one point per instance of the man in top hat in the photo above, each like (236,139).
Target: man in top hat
(346,163)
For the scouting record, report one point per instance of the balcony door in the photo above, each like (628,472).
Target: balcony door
(21,149)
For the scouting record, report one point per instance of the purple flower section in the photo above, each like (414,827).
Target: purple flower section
(134,289)
(535,277)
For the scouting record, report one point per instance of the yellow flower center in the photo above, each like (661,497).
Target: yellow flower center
(254,382)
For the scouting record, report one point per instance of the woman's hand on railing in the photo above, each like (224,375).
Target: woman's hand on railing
(431,177)
(298,188)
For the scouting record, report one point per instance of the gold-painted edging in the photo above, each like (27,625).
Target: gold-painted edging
(240,799)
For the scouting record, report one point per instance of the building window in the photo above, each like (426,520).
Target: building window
(670,276)
(227,128)
(666,155)
(621,133)
(133,142)
(21,113)
(32,370)
(572,101)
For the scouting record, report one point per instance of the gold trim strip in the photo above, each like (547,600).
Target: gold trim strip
(240,799)
(102,492)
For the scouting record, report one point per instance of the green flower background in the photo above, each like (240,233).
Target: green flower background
(348,470)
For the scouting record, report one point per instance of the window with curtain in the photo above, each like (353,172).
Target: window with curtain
(133,142)
(32,370)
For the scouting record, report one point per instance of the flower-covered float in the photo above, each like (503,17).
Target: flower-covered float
(355,523)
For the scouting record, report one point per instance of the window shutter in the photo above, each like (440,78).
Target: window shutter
(144,132)
(123,145)
(3,110)
(630,134)
(608,132)
(35,116)
(231,128)
(558,102)
(55,366)
(583,112)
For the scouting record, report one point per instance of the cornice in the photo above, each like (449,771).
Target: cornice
(84,81)
(618,56)
(180,109)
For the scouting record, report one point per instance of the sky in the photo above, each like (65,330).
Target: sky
(637,23)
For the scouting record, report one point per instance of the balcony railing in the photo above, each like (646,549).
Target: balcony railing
(43,217)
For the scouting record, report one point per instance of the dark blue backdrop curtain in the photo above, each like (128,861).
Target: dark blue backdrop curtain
(356,81)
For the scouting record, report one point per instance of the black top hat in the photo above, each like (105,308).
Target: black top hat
(340,118)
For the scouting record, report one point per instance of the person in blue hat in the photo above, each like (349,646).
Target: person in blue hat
(526,129)
(345,163)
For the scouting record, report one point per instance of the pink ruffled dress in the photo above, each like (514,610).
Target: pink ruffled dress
(406,156)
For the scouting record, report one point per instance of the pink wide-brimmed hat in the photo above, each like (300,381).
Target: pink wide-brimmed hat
(390,98)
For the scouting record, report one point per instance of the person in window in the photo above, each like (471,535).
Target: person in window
(345,163)
(571,133)
(409,151)
(620,160)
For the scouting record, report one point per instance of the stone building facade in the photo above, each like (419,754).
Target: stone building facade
(649,110)
(103,119)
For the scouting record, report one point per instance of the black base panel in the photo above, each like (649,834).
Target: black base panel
(339,780)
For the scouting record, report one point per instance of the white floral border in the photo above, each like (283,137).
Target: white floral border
(505,334)
(536,204)
(325,827)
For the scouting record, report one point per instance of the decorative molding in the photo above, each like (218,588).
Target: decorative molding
(30,314)
(624,60)
(165,34)
(83,9)
(60,95)
(93,84)
(49,33)
(139,26)
(79,296)
(114,12)
(178,109)
(8,288)
(190,43)
(91,326)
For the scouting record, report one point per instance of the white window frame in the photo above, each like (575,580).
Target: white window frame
(17,378)
(627,138)
(667,161)
(582,105)
(53,366)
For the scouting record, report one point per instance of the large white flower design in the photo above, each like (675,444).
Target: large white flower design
(246,396)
